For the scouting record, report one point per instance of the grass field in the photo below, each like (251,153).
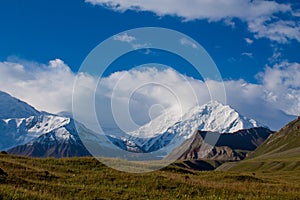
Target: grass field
(86,178)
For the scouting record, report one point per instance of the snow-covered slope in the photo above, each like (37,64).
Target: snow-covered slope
(51,135)
(11,107)
(18,131)
(54,136)
(158,125)
(26,131)
(212,116)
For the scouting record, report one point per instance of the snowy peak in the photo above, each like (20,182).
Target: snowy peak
(48,123)
(14,108)
(26,131)
(217,117)
(18,131)
(158,125)
(213,117)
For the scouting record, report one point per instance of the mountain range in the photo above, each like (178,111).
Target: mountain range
(33,133)
(27,131)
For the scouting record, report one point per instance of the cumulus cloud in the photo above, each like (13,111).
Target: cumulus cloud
(198,9)
(46,86)
(137,91)
(258,14)
(281,31)
(124,38)
(49,87)
(276,56)
(249,41)
(283,86)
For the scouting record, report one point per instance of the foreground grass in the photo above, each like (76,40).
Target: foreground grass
(86,178)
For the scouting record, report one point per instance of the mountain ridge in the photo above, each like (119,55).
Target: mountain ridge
(280,152)
(44,134)
(220,146)
(15,108)
(41,134)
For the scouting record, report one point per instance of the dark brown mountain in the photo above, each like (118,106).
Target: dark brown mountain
(224,147)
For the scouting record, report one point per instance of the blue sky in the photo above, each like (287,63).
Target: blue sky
(41,31)
(253,43)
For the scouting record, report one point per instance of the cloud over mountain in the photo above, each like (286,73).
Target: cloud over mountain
(46,86)
(49,87)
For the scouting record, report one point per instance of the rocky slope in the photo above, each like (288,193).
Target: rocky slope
(222,147)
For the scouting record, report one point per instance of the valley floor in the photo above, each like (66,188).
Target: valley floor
(86,178)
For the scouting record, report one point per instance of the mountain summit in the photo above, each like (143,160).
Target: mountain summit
(213,116)
(217,117)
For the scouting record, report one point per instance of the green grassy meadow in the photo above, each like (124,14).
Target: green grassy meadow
(87,178)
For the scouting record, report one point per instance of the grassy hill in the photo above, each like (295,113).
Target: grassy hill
(285,142)
(86,178)
(280,152)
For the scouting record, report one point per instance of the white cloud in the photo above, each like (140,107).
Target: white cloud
(282,86)
(248,54)
(276,56)
(49,87)
(124,38)
(187,42)
(198,9)
(249,41)
(258,14)
(281,31)
(230,23)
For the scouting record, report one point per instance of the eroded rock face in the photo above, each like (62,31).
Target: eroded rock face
(228,147)
(223,153)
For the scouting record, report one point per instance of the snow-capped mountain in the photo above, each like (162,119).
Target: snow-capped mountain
(49,135)
(40,134)
(158,125)
(11,107)
(216,117)
(18,131)
(26,131)
(212,116)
